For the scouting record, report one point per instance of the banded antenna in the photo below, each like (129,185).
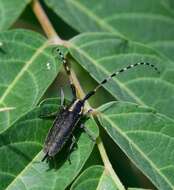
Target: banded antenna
(91,93)
(63,59)
(67,69)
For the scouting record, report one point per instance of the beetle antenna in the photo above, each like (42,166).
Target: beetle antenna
(91,93)
(63,59)
(67,70)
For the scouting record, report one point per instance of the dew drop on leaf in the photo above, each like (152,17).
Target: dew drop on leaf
(48,65)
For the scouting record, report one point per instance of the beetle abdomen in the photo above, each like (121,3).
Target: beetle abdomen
(60,132)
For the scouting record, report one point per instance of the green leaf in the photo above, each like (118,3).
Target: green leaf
(95,177)
(137,189)
(143,21)
(10,11)
(21,147)
(164,47)
(27,69)
(146,138)
(102,54)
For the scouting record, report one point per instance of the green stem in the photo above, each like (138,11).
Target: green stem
(107,164)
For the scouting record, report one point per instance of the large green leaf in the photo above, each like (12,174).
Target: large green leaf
(144,20)
(10,11)
(27,69)
(146,137)
(21,154)
(164,47)
(102,54)
(137,189)
(95,177)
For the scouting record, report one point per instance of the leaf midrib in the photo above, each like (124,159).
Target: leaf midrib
(94,17)
(139,15)
(100,180)
(149,133)
(20,174)
(21,142)
(20,74)
(115,36)
(138,149)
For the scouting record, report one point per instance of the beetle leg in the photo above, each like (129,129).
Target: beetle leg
(73,89)
(44,113)
(72,146)
(87,131)
(62,96)
(45,157)
(49,115)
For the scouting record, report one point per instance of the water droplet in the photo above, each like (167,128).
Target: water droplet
(48,66)
(1,44)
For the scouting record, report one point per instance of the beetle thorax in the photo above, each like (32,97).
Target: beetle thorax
(77,106)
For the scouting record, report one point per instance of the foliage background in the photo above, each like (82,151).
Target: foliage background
(135,147)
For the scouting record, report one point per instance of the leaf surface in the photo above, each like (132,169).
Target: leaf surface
(137,189)
(94,177)
(146,138)
(102,54)
(143,21)
(27,69)
(21,147)
(10,11)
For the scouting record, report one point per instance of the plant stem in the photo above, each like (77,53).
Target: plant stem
(45,22)
(107,164)
(51,33)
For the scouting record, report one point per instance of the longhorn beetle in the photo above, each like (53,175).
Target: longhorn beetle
(68,117)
